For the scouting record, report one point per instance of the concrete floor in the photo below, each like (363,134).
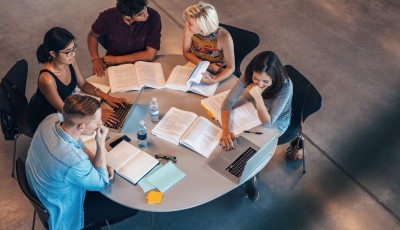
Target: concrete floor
(350,50)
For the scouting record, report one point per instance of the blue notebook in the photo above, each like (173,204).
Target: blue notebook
(165,177)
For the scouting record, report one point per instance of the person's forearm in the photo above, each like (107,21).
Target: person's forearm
(100,157)
(226,120)
(192,58)
(146,55)
(262,111)
(227,72)
(90,89)
(93,46)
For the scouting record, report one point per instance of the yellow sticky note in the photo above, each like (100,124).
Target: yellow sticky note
(154,197)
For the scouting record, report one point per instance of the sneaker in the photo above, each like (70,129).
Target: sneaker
(251,188)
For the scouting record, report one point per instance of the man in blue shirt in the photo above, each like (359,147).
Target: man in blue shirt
(60,169)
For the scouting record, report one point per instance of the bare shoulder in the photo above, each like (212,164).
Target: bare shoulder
(224,35)
(45,79)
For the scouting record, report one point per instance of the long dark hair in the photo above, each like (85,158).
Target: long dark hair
(267,62)
(55,40)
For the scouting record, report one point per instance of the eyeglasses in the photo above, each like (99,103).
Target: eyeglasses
(69,53)
(167,158)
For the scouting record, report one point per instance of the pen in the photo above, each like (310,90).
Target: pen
(258,133)
(108,138)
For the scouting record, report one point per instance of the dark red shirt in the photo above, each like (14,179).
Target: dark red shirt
(125,39)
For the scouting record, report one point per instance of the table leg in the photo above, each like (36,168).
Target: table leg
(152,218)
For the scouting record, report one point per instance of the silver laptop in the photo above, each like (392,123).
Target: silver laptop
(122,114)
(238,164)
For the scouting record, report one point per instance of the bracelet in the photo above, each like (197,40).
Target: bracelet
(95,91)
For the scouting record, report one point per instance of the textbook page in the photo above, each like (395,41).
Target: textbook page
(204,89)
(177,80)
(243,118)
(150,74)
(123,78)
(173,125)
(202,137)
(241,115)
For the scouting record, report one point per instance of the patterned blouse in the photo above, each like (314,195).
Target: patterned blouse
(205,47)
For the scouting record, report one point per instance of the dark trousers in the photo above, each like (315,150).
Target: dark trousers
(98,208)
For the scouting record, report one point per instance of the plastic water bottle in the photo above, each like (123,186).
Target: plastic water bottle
(142,135)
(154,110)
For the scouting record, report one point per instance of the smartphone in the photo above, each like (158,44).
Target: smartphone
(116,142)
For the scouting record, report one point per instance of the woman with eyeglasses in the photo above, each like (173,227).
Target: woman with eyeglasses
(203,39)
(59,77)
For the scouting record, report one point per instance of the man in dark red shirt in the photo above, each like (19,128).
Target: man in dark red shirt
(132,33)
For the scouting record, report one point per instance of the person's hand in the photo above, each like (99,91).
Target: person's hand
(101,134)
(110,60)
(226,140)
(110,172)
(98,67)
(108,116)
(208,79)
(255,91)
(114,101)
(214,68)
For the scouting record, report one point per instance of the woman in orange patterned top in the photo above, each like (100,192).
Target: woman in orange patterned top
(203,39)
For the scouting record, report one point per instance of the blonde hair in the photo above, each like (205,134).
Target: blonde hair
(204,16)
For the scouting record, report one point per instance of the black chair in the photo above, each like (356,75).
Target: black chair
(39,208)
(313,104)
(243,42)
(14,102)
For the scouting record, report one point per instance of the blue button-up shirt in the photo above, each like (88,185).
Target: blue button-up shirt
(59,173)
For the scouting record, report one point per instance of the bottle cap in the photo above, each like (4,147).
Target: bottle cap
(141,122)
(154,99)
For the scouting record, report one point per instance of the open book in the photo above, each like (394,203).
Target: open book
(243,113)
(127,77)
(130,162)
(188,129)
(187,78)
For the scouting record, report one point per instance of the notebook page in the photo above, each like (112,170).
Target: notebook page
(120,154)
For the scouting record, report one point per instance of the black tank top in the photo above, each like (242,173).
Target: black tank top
(39,108)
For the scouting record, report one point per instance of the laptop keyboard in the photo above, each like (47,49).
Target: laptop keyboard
(121,113)
(237,167)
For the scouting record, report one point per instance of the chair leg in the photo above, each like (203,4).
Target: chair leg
(15,150)
(304,159)
(33,221)
(108,225)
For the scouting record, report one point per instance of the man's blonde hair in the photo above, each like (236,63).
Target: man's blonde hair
(204,16)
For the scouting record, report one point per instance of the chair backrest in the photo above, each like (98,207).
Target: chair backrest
(41,210)
(12,97)
(244,42)
(102,41)
(312,105)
